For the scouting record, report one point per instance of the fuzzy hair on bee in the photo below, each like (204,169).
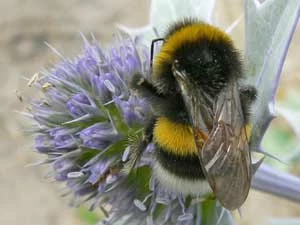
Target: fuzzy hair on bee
(200,113)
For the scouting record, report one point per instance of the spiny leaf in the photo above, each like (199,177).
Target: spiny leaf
(165,12)
(289,221)
(269,28)
(175,10)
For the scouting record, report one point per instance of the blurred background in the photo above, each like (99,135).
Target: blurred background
(26,196)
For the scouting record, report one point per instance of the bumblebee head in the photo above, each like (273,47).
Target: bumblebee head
(204,54)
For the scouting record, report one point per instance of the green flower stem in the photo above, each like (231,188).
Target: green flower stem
(209,215)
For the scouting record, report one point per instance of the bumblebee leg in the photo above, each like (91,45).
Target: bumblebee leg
(143,87)
(160,104)
(248,95)
(138,147)
(148,130)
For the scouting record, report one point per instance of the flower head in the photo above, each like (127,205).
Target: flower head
(84,120)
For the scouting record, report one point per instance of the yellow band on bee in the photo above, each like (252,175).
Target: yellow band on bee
(174,137)
(190,34)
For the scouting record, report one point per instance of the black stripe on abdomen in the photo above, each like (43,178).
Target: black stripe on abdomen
(182,166)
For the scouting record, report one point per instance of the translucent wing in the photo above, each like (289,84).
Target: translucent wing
(225,156)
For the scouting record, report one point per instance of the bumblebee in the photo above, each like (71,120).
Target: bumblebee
(201,112)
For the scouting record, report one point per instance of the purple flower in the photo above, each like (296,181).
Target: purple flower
(62,168)
(134,109)
(88,107)
(44,143)
(124,59)
(109,85)
(80,188)
(78,105)
(97,170)
(87,66)
(99,136)
(66,142)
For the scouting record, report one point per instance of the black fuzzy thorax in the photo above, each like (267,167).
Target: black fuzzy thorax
(218,64)
(210,64)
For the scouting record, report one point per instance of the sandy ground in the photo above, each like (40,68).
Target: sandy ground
(25,196)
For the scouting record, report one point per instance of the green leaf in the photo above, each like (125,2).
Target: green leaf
(140,178)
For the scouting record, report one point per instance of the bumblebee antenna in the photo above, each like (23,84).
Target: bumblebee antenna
(152,49)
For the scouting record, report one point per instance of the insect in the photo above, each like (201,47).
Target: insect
(201,112)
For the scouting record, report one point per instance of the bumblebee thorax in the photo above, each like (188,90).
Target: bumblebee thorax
(204,52)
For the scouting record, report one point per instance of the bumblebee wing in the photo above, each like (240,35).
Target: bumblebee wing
(225,156)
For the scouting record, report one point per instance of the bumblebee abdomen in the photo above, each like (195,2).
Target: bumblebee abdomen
(175,138)
(177,165)
(176,150)
(187,167)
